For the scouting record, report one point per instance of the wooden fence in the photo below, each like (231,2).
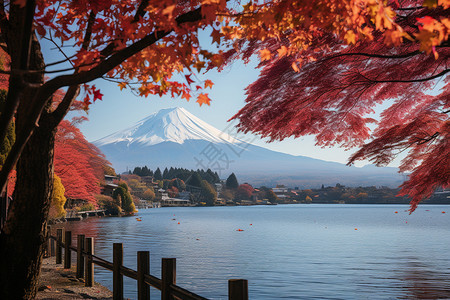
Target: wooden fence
(85,259)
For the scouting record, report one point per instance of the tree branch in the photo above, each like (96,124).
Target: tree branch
(44,93)
(60,112)
(141,10)
(372,55)
(73,91)
(409,81)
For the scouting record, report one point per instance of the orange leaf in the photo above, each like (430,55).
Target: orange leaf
(186,96)
(168,11)
(122,85)
(265,54)
(208,83)
(282,51)
(350,37)
(203,99)
(295,67)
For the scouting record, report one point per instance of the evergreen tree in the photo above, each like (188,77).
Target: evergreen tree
(145,171)
(165,174)
(137,171)
(171,174)
(158,175)
(212,176)
(232,182)
(195,180)
(217,178)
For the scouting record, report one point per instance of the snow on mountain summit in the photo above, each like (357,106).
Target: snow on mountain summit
(168,125)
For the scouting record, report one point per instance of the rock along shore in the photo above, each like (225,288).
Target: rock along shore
(55,282)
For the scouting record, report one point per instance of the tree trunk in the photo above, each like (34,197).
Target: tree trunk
(25,231)
(24,234)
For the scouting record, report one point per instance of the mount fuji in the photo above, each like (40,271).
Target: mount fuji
(176,138)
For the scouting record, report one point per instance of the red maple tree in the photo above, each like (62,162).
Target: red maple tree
(78,163)
(244,191)
(331,89)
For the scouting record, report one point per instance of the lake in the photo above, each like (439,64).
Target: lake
(287,251)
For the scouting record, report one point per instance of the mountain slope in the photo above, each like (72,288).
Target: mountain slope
(175,137)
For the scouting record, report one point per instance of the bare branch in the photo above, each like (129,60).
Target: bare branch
(59,48)
(60,61)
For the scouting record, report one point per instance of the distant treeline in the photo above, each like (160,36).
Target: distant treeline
(180,173)
(359,195)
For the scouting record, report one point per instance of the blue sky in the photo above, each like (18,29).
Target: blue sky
(121,109)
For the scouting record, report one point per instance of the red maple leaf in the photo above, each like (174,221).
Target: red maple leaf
(188,79)
(97,94)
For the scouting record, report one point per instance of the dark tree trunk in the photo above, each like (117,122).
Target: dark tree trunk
(25,232)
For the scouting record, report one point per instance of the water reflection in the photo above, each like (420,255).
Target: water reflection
(422,281)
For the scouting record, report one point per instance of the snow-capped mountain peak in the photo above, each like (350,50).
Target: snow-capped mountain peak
(168,125)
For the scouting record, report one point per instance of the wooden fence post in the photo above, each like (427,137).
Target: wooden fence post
(168,277)
(143,268)
(237,289)
(89,267)
(52,247)
(80,256)
(59,233)
(117,275)
(67,253)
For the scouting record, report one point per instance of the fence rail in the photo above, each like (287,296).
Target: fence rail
(85,259)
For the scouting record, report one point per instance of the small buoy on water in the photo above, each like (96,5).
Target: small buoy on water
(395,212)
(443,212)
(251,224)
(356,228)
(239,229)
(178,223)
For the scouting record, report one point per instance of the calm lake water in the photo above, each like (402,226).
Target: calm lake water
(288,251)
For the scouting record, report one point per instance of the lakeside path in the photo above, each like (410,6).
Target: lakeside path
(55,282)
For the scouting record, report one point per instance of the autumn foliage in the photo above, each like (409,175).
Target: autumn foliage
(327,77)
(326,64)
(78,163)
(58,199)
(244,191)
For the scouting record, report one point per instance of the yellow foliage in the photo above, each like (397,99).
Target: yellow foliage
(58,199)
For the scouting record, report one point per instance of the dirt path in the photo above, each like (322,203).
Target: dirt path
(56,282)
